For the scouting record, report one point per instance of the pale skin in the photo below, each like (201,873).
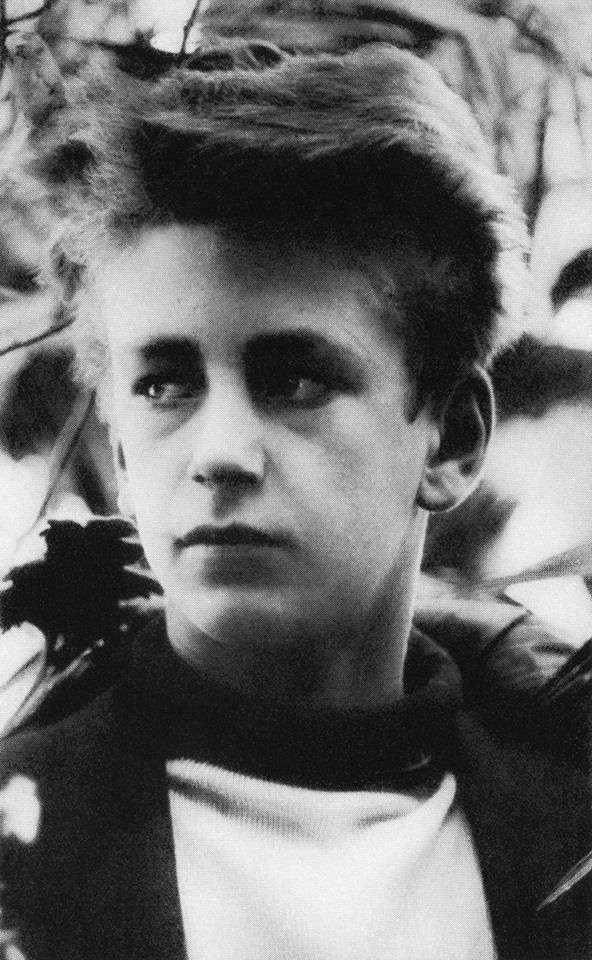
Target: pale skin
(260,412)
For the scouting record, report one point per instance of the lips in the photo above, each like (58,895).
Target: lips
(233,535)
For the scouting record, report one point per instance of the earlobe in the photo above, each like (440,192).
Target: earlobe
(461,435)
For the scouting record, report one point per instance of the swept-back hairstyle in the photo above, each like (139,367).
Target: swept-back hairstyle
(369,151)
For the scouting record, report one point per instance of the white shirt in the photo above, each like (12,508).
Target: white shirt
(274,872)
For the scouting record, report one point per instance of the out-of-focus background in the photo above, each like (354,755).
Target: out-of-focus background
(525,68)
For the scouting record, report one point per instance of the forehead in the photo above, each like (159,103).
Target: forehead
(200,281)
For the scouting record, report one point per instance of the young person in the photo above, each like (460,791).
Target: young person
(289,279)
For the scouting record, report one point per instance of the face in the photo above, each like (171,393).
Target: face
(261,408)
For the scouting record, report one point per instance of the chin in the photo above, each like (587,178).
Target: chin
(255,620)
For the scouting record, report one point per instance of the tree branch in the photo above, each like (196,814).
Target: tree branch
(3,36)
(189,27)
(32,13)
(20,344)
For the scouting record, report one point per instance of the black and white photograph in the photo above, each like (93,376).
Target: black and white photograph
(295,480)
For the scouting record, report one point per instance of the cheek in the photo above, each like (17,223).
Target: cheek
(357,475)
(151,478)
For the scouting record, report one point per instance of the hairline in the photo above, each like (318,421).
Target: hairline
(385,273)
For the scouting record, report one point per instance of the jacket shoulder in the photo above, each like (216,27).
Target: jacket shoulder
(39,750)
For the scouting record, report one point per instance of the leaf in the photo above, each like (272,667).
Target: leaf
(575,561)
(75,593)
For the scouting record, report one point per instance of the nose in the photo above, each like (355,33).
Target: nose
(228,450)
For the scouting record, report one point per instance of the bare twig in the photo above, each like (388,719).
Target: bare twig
(189,27)
(20,344)
(32,14)
(20,673)
(65,446)
(537,186)
(3,36)
(580,111)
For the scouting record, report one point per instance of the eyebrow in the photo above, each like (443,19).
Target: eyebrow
(301,342)
(164,348)
(293,341)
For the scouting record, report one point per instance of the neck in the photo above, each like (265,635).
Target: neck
(349,668)
(176,712)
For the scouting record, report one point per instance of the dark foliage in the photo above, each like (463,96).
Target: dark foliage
(75,594)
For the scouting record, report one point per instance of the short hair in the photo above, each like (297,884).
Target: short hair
(369,150)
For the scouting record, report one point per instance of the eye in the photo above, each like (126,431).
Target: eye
(165,391)
(300,371)
(293,387)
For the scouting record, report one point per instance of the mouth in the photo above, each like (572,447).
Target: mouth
(233,535)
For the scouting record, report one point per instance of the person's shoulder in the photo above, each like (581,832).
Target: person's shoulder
(519,672)
(531,687)
(522,761)
(88,595)
(41,748)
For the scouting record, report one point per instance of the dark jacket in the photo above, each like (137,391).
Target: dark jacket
(100,882)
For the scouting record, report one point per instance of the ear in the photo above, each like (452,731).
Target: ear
(463,428)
